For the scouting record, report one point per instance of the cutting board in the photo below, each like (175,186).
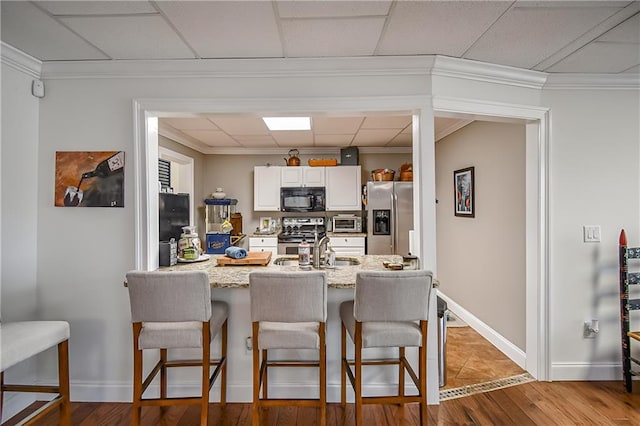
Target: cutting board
(253,258)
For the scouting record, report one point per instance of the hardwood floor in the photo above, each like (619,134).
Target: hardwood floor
(535,403)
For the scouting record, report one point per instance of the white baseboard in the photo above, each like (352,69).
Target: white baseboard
(514,353)
(581,371)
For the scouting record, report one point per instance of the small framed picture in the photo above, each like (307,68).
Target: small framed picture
(464,192)
(265,224)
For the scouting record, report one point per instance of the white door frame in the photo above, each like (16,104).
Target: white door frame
(536,222)
(147,111)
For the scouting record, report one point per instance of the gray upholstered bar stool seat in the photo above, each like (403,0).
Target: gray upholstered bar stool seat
(390,309)
(22,340)
(171,310)
(288,311)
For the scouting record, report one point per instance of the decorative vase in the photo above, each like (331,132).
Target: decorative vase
(219,194)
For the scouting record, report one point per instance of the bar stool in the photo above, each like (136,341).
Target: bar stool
(25,339)
(171,310)
(288,311)
(390,310)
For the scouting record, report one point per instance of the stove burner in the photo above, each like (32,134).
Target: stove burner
(297,228)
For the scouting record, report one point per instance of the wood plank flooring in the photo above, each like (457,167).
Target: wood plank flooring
(536,403)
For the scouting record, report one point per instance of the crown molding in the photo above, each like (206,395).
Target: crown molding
(240,68)
(20,61)
(623,81)
(445,66)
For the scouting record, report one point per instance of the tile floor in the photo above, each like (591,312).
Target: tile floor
(471,359)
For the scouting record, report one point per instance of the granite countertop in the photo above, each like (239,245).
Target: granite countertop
(346,234)
(238,276)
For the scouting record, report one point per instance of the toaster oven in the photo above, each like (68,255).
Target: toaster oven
(346,223)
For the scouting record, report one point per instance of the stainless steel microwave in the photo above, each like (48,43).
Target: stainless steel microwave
(302,199)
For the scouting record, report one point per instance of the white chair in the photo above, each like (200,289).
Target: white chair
(23,340)
(390,310)
(288,311)
(171,310)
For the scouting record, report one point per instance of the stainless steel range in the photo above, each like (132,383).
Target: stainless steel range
(294,229)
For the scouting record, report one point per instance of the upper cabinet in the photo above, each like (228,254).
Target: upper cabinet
(343,188)
(302,176)
(266,188)
(342,183)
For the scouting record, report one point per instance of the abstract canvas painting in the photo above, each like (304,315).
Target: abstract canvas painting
(89,179)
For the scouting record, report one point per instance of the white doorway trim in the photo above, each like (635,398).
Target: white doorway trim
(537,217)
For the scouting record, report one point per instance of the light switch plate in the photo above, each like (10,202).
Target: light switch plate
(591,233)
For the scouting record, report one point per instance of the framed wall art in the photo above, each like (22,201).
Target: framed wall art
(266,224)
(89,179)
(464,192)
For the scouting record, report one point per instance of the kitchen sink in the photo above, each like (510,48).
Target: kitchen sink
(293,261)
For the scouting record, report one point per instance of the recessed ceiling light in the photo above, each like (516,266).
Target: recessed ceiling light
(288,123)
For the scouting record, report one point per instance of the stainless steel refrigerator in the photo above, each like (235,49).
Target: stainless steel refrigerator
(389,217)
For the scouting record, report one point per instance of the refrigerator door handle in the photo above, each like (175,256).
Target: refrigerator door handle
(394,230)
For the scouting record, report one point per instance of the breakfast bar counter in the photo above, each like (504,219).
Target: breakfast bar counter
(343,276)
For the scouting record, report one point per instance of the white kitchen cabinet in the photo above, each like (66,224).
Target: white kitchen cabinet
(347,246)
(302,176)
(343,188)
(264,244)
(266,188)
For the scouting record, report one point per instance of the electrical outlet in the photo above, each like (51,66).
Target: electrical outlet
(591,233)
(248,344)
(591,329)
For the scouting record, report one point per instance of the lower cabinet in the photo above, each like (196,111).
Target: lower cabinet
(347,246)
(264,244)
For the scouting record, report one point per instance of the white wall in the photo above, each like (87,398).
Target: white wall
(595,180)
(19,202)
(481,260)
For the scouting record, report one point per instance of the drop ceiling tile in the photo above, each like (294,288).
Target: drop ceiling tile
(241,125)
(293,138)
(29,29)
(386,122)
(627,32)
(199,123)
(401,140)
(336,125)
(375,137)
(212,137)
(525,36)
(254,138)
(326,9)
(333,140)
(633,70)
(600,57)
(439,27)
(226,29)
(137,37)
(331,37)
(96,7)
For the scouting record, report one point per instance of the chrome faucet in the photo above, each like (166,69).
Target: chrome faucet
(319,246)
